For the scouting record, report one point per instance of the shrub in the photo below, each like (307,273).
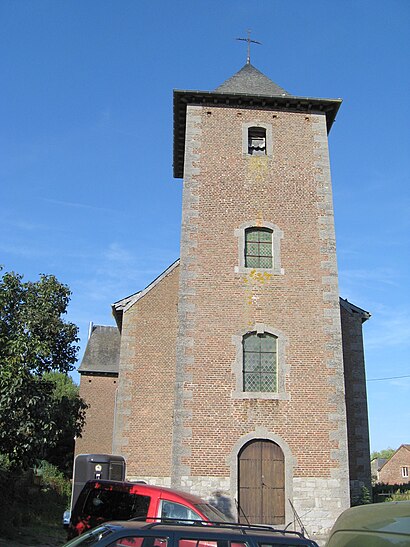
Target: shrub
(399,496)
(52,478)
(30,502)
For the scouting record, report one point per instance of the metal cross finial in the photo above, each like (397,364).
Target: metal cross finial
(248,39)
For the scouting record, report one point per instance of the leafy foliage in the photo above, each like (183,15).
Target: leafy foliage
(53,478)
(391,492)
(34,341)
(32,506)
(386,454)
(69,412)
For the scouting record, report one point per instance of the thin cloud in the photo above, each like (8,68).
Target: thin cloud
(25,251)
(20,224)
(76,205)
(403,384)
(387,276)
(117,253)
(119,271)
(393,329)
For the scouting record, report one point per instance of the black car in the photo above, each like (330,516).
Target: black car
(205,534)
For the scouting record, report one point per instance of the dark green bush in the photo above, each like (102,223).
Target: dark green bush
(32,498)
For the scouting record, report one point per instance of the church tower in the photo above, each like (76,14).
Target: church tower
(240,371)
(259,410)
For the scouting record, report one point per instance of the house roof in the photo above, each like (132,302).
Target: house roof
(405,446)
(354,310)
(102,354)
(247,88)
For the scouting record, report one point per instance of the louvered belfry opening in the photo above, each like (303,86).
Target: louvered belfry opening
(257,141)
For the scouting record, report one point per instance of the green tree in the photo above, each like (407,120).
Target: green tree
(34,340)
(386,454)
(68,411)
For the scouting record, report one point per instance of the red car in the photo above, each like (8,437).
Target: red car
(103,500)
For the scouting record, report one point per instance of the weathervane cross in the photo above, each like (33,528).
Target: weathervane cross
(248,39)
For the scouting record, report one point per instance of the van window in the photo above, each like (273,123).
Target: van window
(115,505)
(278,544)
(198,543)
(138,541)
(209,543)
(172,510)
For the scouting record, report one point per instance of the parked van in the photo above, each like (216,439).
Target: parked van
(101,501)
(376,524)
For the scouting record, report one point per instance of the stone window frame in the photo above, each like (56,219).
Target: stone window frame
(282,367)
(245,136)
(405,472)
(259,242)
(277,235)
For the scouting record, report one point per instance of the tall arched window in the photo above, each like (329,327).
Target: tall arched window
(258,248)
(260,367)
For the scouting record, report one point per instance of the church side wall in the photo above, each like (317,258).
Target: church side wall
(223,190)
(356,404)
(143,423)
(99,394)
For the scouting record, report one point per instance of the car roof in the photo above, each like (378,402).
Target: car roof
(392,516)
(221,530)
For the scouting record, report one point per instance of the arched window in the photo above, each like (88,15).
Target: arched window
(258,248)
(260,368)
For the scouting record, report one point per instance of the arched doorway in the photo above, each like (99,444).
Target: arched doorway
(261,483)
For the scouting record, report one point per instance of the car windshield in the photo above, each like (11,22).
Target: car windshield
(211,512)
(91,538)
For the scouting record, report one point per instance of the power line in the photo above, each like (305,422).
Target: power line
(391,378)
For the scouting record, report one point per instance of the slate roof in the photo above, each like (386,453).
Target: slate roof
(363,315)
(102,354)
(250,81)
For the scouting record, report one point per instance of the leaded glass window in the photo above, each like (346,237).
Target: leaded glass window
(258,248)
(260,362)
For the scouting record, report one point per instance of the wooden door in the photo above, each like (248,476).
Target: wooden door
(261,483)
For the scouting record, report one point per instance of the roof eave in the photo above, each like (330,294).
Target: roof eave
(352,308)
(182,98)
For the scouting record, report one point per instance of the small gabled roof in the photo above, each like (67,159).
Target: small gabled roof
(102,354)
(250,81)
(121,306)
(351,308)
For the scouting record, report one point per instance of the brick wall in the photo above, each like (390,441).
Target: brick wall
(99,393)
(222,190)
(145,399)
(391,472)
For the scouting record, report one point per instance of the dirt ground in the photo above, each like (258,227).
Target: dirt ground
(33,538)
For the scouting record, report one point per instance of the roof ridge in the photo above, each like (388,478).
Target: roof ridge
(250,80)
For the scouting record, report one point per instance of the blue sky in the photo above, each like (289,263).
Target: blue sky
(86,187)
